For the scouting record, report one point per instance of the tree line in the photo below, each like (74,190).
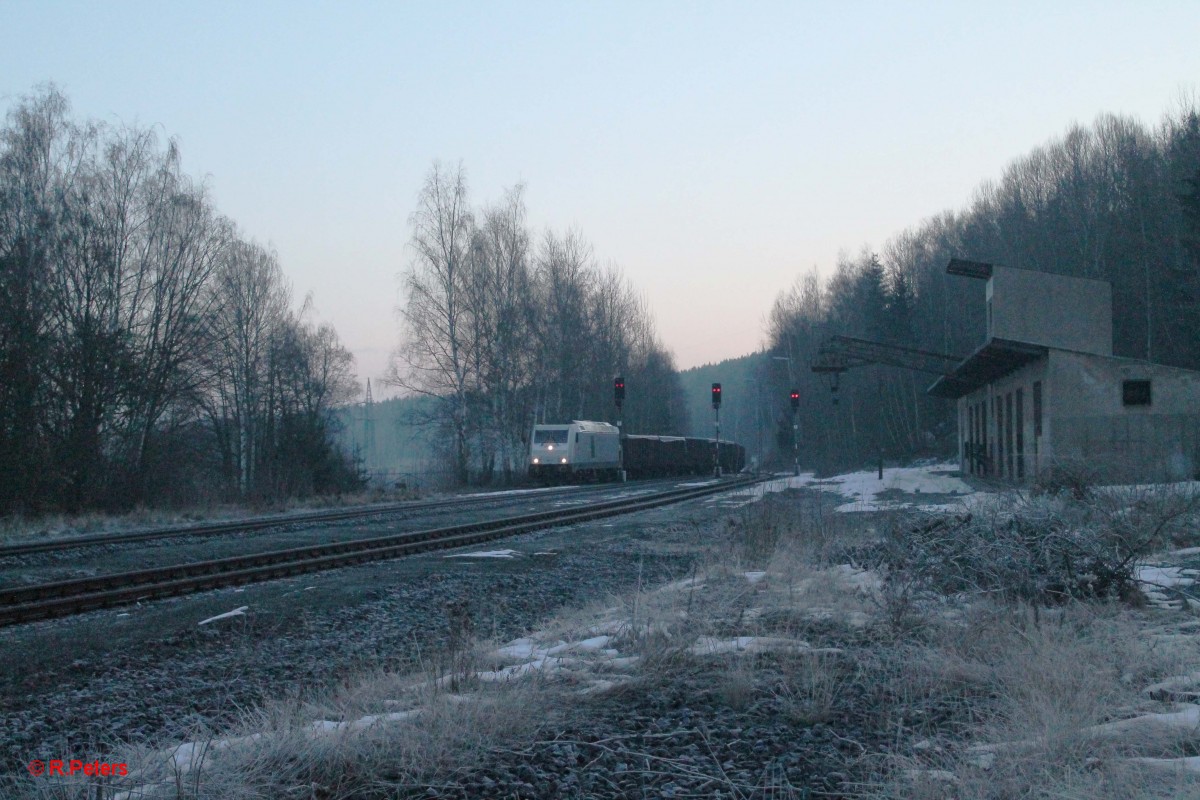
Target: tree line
(149,352)
(1115,201)
(505,328)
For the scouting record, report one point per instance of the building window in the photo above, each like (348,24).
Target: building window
(1135,393)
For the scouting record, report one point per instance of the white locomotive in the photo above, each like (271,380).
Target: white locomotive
(580,449)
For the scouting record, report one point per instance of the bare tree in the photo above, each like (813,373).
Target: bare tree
(435,357)
(563,278)
(38,156)
(249,307)
(498,287)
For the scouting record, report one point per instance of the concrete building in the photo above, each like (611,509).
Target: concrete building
(1045,388)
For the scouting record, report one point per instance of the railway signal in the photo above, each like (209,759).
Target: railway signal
(795,399)
(619,399)
(716,404)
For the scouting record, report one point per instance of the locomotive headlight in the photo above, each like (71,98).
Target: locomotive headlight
(564,461)
(549,447)
(535,461)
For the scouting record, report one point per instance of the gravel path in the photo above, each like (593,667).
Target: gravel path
(680,738)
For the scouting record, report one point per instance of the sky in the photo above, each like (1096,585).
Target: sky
(712,151)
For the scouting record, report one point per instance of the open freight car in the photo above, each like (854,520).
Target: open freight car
(589,450)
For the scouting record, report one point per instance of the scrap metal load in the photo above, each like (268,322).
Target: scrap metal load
(592,450)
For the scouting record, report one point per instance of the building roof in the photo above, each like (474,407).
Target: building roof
(996,358)
(969,269)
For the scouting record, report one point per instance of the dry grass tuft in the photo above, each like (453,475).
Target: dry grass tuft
(1023,698)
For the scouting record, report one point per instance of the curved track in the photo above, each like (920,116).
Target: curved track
(62,598)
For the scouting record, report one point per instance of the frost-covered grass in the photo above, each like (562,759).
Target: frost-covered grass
(944,645)
(20,528)
(1000,702)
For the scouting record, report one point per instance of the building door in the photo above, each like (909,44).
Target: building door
(1020,434)
(1008,434)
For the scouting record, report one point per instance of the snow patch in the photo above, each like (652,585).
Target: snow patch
(1176,686)
(1185,764)
(862,489)
(510,492)
(1153,580)
(486,554)
(711,645)
(860,580)
(237,612)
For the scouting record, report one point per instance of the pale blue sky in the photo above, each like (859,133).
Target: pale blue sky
(711,150)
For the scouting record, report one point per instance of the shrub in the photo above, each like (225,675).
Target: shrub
(1044,549)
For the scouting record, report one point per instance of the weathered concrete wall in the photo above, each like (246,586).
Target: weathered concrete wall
(1092,386)
(1132,448)
(1158,442)
(1051,310)
(1084,421)
(999,453)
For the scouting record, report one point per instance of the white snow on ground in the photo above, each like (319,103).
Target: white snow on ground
(1187,763)
(863,581)
(519,491)
(362,723)
(1186,718)
(862,489)
(1157,581)
(486,554)
(1166,576)
(865,487)
(184,758)
(1177,687)
(710,645)
(237,612)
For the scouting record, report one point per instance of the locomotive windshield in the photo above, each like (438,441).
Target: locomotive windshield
(550,436)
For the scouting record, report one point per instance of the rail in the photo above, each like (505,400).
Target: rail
(63,598)
(262,523)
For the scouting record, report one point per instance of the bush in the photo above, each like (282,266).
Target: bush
(1044,549)
(1072,478)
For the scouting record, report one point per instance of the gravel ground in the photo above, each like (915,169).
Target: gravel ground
(69,688)
(677,738)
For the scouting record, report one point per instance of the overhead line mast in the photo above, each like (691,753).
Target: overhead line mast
(840,353)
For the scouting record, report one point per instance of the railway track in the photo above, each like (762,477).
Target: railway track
(63,598)
(263,523)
